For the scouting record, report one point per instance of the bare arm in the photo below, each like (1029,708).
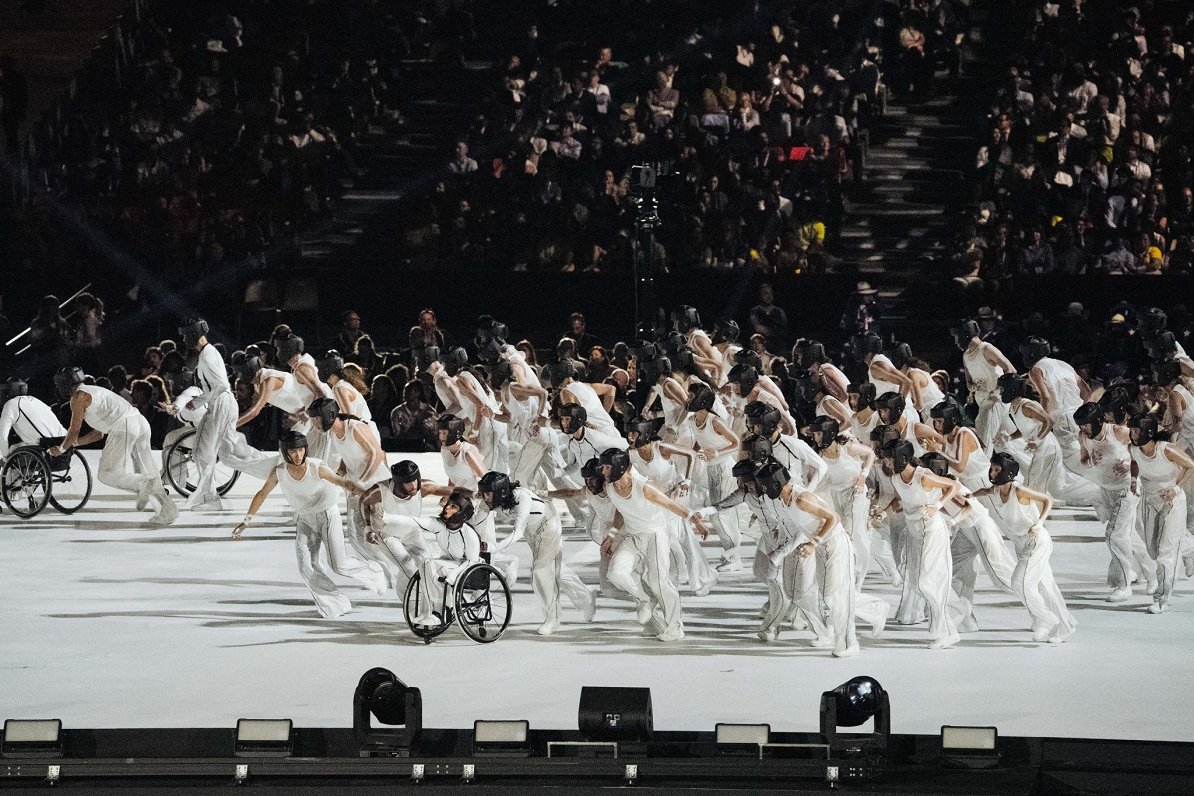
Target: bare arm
(995,357)
(663,501)
(309,378)
(268,387)
(344,394)
(670,451)
(1182,460)
(606,393)
(1029,496)
(346,484)
(809,503)
(271,481)
(1037,413)
(888,372)
(366,440)
(78,406)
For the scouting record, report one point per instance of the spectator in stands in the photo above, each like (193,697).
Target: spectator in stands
(350,331)
(577,332)
(769,319)
(366,356)
(383,398)
(461,164)
(412,422)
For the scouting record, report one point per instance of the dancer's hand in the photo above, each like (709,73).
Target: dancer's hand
(1032,531)
(1121,468)
(702,530)
(1169,495)
(56,451)
(608,545)
(806,549)
(373,537)
(237,531)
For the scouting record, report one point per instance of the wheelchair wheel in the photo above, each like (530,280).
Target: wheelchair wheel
(412,604)
(183,473)
(70,482)
(25,482)
(483,603)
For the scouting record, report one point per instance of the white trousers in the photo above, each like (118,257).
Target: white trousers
(835,560)
(647,551)
(126,461)
(319,546)
(1164,528)
(1120,511)
(550,576)
(979,540)
(929,570)
(993,416)
(1034,585)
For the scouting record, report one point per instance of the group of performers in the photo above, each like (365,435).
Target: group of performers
(839,483)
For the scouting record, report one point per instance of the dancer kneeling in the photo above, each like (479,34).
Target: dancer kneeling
(307,485)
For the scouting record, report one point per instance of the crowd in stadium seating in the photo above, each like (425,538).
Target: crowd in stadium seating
(1087,163)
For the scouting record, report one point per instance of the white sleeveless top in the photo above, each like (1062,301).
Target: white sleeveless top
(310,494)
(603,512)
(1063,381)
(410,507)
(639,515)
(659,471)
(862,431)
(930,394)
(357,405)
(1157,473)
(107,409)
(1027,426)
(523,414)
(710,440)
(290,397)
(1109,450)
(796,521)
(586,396)
(977,473)
(355,456)
(324,390)
(1013,517)
(727,363)
(914,496)
(984,377)
(457,467)
(468,410)
(881,386)
(841,472)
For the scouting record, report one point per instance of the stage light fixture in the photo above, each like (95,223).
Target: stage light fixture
(741,739)
(383,696)
(849,705)
(32,738)
(264,738)
(969,747)
(501,738)
(615,714)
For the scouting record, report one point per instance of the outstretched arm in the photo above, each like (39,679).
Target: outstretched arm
(271,481)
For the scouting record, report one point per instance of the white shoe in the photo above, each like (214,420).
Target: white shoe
(968,625)
(143,495)
(1158,607)
(705,587)
(644,612)
(380,583)
(1041,633)
(768,634)
(511,573)
(877,628)
(215,504)
(675,634)
(821,643)
(944,643)
(1120,595)
(848,652)
(426,620)
(167,512)
(590,609)
(730,564)
(1189,561)
(547,628)
(1152,587)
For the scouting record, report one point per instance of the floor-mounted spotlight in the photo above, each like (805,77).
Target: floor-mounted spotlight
(264,737)
(969,747)
(850,705)
(382,695)
(32,738)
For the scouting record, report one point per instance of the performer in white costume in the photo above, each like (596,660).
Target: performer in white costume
(983,364)
(1160,473)
(401,496)
(26,415)
(717,448)
(127,460)
(307,484)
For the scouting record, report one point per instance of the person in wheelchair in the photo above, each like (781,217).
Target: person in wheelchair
(536,520)
(127,461)
(459,548)
(27,415)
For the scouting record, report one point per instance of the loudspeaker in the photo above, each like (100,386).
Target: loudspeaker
(615,714)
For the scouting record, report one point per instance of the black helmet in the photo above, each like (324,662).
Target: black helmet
(248,368)
(325,410)
(498,485)
(290,441)
(1161,345)
(191,330)
(687,318)
(700,397)
(936,464)
(455,361)
(762,418)
(884,433)
(747,356)
(949,413)
(1152,321)
(575,414)
(964,332)
(901,355)
(745,470)
(1143,429)
(1011,387)
(594,478)
(559,370)
(803,385)
(1034,349)
(756,448)
(1166,372)
(288,347)
(66,379)
(1009,468)
(647,431)
(500,373)
(617,460)
(1089,414)
(725,331)
(462,499)
(745,376)
(814,354)
(490,351)
(893,403)
(900,451)
(866,393)
(453,425)
(828,428)
(17,386)
(330,364)
(643,350)
(655,369)
(401,474)
(771,478)
(869,343)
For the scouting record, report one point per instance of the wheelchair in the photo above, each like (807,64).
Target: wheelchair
(31,478)
(480,604)
(183,473)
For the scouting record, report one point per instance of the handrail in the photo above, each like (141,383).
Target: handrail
(29,328)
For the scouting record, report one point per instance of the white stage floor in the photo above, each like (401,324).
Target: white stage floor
(108,623)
